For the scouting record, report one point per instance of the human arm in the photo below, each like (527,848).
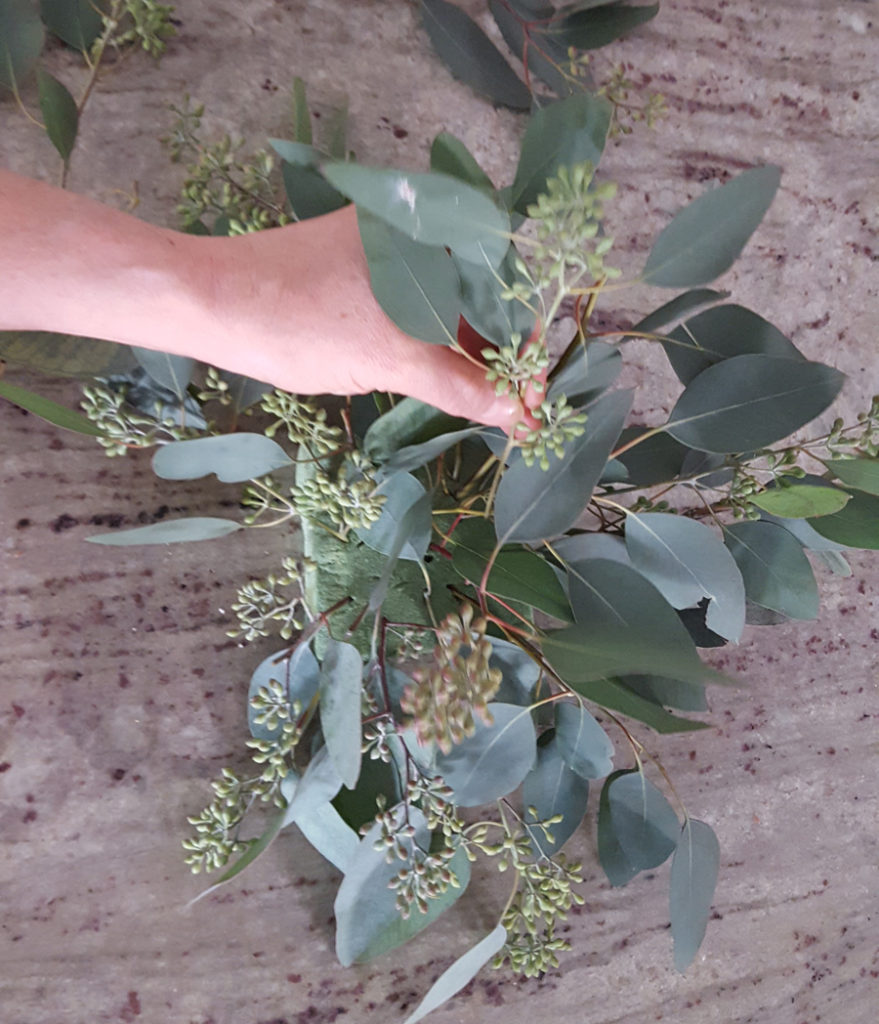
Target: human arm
(291,306)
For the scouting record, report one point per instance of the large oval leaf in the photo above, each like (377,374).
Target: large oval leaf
(862,474)
(551,788)
(171,531)
(60,114)
(563,134)
(77,22)
(855,526)
(706,237)
(694,870)
(637,828)
(402,490)
(800,501)
(494,760)
(299,674)
(582,742)
(21,40)
(172,372)
(777,574)
(409,422)
(449,155)
(600,25)
(533,504)
(341,686)
(676,309)
(367,920)
(686,561)
(416,285)
(471,56)
(483,306)
(430,208)
(233,457)
(750,402)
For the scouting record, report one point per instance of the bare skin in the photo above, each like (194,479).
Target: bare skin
(290,306)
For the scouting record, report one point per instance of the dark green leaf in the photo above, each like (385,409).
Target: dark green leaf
(462,971)
(298,152)
(706,237)
(494,317)
(409,422)
(471,56)
(860,473)
(582,742)
(519,670)
(65,355)
(434,209)
(301,115)
(720,333)
(800,501)
(686,561)
(614,695)
(415,456)
(856,526)
(76,22)
(694,870)
(410,524)
(517,573)
(777,574)
(48,410)
(449,155)
(805,534)
(545,56)
(149,397)
(534,504)
(676,309)
(656,460)
(60,115)
(494,760)
(416,285)
(172,372)
(367,920)
(171,531)
(640,824)
(684,696)
(749,402)
(552,787)
(21,40)
(298,672)
(600,25)
(561,135)
(341,686)
(233,457)
(402,490)
(587,373)
(308,194)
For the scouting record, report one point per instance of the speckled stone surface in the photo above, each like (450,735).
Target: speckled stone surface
(120,694)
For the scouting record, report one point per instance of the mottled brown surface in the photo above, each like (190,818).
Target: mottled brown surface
(120,694)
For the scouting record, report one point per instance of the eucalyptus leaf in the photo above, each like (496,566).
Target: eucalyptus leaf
(494,760)
(76,22)
(551,788)
(417,455)
(676,309)
(721,333)
(497,319)
(657,459)
(642,823)
(471,56)
(232,457)
(51,412)
(533,504)
(172,372)
(367,920)
(600,25)
(408,527)
(855,526)
(800,501)
(582,742)
(545,56)
(65,355)
(416,285)
(449,155)
(299,674)
(409,422)
(749,402)
(807,535)
(614,862)
(686,561)
(319,784)
(777,574)
(433,209)
(21,40)
(694,870)
(860,473)
(671,692)
(580,547)
(341,685)
(614,695)
(705,238)
(301,114)
(299,153)
(60,114)
(171,531)
(519,671)
(308,193)
(590,371)
(328,833)
(402,490)
(564,134)
(462,971)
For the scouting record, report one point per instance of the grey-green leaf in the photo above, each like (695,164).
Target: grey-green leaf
(614,695)
(694,870)
(51,412)
(552,787)
(563,134)
(416,285)
(433,209)
(299,674)
(686,561)
(449,155)
(341,684)
(417,455)
(76,22)
(171,531)
(402,490)
(641,820)
(860,473)
(598,26)
(534,504)
(233,457)
(587,373)
(705,238)
(677,308)
(59,111)
(21,40)
(855,526)
(494,760)
(172,372)
(751,401)
(329,834)
(582,742)
(483,306)
(777,574)
(471,56)
(520,673)
(409,422)
(463,970)
(800,501)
